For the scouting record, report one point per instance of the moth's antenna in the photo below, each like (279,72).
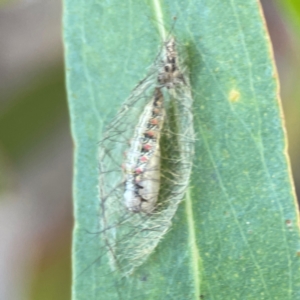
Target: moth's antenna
(165,35)
(173,25)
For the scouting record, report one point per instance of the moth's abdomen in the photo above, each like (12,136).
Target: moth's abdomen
(142,166)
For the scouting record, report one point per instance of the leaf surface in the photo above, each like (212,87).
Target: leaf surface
(236,234)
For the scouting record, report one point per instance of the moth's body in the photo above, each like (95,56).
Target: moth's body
(143,159)
(142,165)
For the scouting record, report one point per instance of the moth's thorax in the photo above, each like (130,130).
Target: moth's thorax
(170,74)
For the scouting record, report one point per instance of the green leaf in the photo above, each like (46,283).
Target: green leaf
(235,236)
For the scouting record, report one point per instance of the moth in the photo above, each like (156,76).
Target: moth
(139,200)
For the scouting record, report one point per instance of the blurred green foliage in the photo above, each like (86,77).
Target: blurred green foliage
(33,113)
(292,10)
(26,121)
(52,280)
